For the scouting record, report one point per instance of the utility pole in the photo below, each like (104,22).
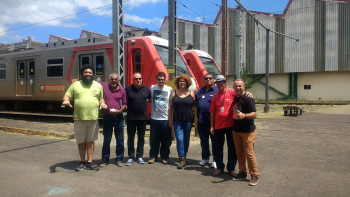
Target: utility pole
(172,39)
(224,38)
(266,107)
(238,42)
(118,39)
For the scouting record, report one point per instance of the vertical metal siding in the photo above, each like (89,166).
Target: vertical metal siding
(332,31)
(211,40)
(188,33)
(204,38)
(300,20)
(180,32)
(344,37)
(231,42)
(280,46)
(196,36)
(250,44)
(320,15)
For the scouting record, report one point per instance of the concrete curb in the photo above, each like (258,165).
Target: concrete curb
(35,132)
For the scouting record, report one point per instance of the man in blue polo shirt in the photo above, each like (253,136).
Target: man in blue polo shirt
(203,99)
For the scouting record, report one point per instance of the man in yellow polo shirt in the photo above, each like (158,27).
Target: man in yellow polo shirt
(87,95)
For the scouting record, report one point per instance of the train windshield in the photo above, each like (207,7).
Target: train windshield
(210,66)
(181,67)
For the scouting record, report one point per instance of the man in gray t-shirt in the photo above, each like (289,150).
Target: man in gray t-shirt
(160,137)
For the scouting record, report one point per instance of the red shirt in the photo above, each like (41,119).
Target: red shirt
(221,106)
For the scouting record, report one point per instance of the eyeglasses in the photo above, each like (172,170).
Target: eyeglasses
(208,78)
(160,79)
(137,79)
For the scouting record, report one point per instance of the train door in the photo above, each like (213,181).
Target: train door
(135,65)
(96,61)
(25,77)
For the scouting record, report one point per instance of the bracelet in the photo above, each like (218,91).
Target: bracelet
(245,116)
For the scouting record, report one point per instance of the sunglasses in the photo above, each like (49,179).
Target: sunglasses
(208,78)
(160,79)
(137,79)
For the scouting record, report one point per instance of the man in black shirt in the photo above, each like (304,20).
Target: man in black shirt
(244,133)
(137,96)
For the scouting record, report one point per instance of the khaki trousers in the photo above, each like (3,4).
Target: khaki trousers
(244,143)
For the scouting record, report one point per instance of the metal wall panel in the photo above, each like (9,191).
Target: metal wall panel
(320,33)
(332,31)
(250,44)
(204,38)
(279,46)
(300,18)
(231,43)
(344,37)
(180,36)
(189,33)
(196,36)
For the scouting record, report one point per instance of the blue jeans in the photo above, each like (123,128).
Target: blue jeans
(219,149)
(132,125)
(204,134)
(160,136)
(109,123)
(182,131)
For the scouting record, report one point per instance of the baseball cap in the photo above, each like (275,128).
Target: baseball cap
(220,78)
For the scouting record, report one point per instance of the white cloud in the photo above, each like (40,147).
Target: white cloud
(136,3)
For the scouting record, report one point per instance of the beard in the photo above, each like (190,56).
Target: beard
(87,81)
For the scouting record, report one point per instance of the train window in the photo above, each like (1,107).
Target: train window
(31,69)
(137,62)
(2,71)
(85,61)
(99,65)
(21,70)
(55,67)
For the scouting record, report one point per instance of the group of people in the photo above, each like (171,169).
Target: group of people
(221,112)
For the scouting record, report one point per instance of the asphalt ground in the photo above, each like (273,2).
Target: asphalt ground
(305,155)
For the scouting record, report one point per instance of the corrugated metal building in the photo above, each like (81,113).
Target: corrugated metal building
(316,68)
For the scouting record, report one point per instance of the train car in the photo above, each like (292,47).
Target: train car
(201,63)
(37,78)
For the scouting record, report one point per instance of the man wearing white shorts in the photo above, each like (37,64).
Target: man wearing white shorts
(87,95)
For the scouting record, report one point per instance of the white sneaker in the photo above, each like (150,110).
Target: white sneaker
(213,165)
(129,162)
(203,162)
(140,161)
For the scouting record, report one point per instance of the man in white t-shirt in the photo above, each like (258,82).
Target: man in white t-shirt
(160,135)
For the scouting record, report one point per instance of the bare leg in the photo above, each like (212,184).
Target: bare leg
(82,151)
(90,150)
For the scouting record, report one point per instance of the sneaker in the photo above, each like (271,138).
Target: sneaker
(92,166)
(81,166)
(140,161)
(213,165)
(254,180)
(165,161)
(120,163)
(203,162)
(129,162)
(240,176)
(104,163)
(151,160)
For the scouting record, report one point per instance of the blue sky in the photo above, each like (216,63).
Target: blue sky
(66,18)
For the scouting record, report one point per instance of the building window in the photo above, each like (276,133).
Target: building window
(2,71)
(55,67)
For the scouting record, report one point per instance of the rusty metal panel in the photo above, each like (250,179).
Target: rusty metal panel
(331,40)
(300,23)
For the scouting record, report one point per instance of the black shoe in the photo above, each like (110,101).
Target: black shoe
(92,166)
(81,166)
